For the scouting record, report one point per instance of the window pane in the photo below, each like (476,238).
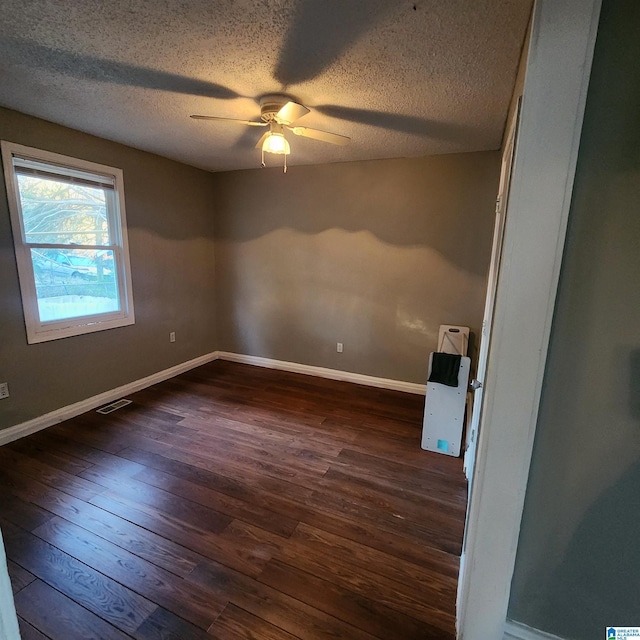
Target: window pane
(59,212)
(74,282)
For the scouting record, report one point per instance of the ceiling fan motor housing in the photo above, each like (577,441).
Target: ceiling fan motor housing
(270,105)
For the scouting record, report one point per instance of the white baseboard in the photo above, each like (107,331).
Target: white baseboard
(71,411)
(517,631)
(322,372)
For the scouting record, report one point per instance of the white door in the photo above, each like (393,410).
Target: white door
(492,285)
(8,620)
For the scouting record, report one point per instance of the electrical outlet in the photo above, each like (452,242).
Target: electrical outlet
(339,347)
(4,390)
(172,336)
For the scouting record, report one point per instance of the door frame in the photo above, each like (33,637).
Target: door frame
(557,77)
(502,205)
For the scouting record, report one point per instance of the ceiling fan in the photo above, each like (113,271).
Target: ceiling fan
(279,113)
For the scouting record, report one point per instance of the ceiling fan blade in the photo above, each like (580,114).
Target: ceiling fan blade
(262,139)
(250,123)
(291,112)
(316,134)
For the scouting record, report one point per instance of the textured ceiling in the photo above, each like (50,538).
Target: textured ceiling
(401,78)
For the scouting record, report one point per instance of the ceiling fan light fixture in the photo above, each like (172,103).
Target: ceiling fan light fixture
(276,143)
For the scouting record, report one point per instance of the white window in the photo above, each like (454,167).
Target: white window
(70,237)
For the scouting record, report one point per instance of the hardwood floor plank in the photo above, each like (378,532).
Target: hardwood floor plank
(405,450)
(250,460)
(288,440)
(276,607)
(394,543)
(438,537)
(419,479)
(191,602)
(251,429)
(81,583)
(221,503)
(142,493)
(46,474)
(272,494)
(21,512)
(248,558)
(20,577)
(164,625)
(61,618)
(236,624)
(86,454)
(29,632)
(81,430)
(439,576)
(37,447)
(439,501)
(148,545)
(138,413)
(426,605)
(243,475)
(280,411)
(375,618)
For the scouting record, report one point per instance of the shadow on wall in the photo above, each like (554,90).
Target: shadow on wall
(444,203)
(291,295)
(605,584)
(583,574)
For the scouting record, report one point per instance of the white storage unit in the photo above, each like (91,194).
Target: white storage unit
(444,406)
(444,413)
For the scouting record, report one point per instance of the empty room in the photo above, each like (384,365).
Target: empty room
(239,241)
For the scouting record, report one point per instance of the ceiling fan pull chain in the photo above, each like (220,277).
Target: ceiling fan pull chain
(284,170)
(263,164)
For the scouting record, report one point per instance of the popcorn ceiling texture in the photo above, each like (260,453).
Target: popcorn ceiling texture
(402,79)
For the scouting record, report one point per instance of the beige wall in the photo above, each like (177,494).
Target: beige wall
(375,255)
(578,555)
(170,219)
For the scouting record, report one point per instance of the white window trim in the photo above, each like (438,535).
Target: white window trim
(43,331)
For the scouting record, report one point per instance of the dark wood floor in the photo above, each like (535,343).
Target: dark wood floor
(236,503)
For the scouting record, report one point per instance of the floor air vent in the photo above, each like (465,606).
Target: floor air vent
(114,406)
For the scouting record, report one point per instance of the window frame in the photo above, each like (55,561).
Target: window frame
(66,166)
